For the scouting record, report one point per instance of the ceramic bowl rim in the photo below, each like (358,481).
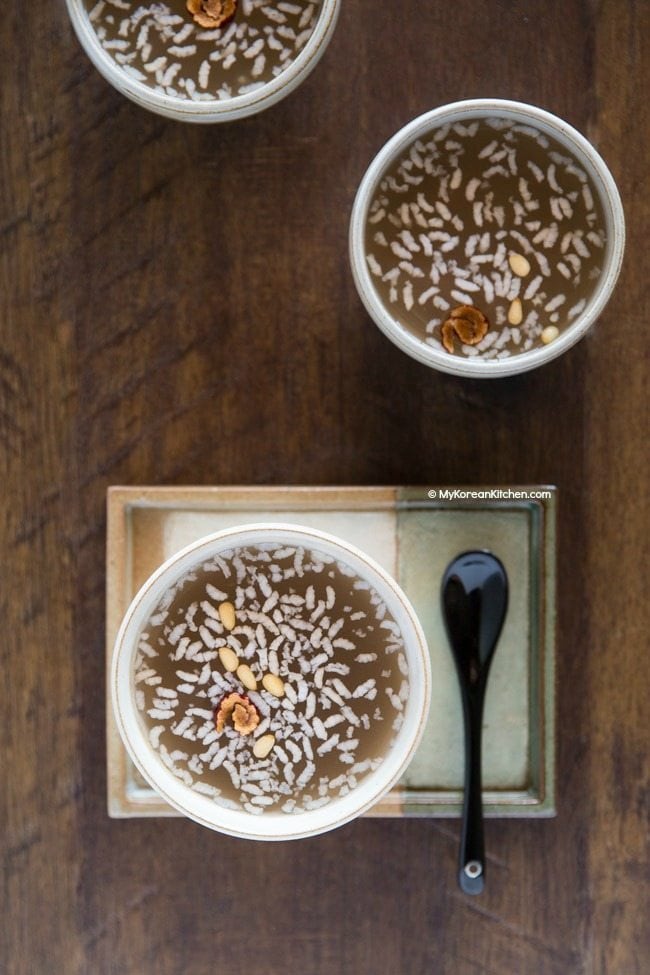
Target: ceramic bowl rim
(214,110)
(586,154)
(269,826)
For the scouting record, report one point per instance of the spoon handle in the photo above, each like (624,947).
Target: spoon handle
(471,876)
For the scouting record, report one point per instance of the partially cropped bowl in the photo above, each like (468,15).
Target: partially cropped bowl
(271,682)
(486,238)
(160,57)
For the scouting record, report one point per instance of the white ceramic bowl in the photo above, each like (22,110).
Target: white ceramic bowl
(465,111)
(214,109)
(269,825)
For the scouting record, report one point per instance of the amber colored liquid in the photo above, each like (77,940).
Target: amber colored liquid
(160,44)
(322,630)
(448,215)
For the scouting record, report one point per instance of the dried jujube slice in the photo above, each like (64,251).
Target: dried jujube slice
(240,710)
(466,322)
(448,330)
(212,13)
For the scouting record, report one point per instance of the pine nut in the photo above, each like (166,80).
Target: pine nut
(229,659)
(519,265)
(263,746)
(515,312)
(273,684)
(549,334)
(247,677)
(227,615)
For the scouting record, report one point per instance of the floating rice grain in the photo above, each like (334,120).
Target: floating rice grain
(426,295)
(411,269)
(399,251)
(471,189)
(533,287)
(467,285)
(328,745)
(577,309)
(487,150)
(556,209)
(362,689)
(349,745)
(587,196)
(580,247)
(116,45)
(555,303)
(182,51)
(319,728)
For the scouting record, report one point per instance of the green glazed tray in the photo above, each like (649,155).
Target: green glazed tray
(414,533)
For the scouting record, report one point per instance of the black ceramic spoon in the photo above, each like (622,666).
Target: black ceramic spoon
(474,601)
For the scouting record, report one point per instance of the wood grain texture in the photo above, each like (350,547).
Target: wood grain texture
(176,307)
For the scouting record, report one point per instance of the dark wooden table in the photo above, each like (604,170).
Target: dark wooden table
(176,307)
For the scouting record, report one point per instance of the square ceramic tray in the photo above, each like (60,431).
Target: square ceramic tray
(414,533)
